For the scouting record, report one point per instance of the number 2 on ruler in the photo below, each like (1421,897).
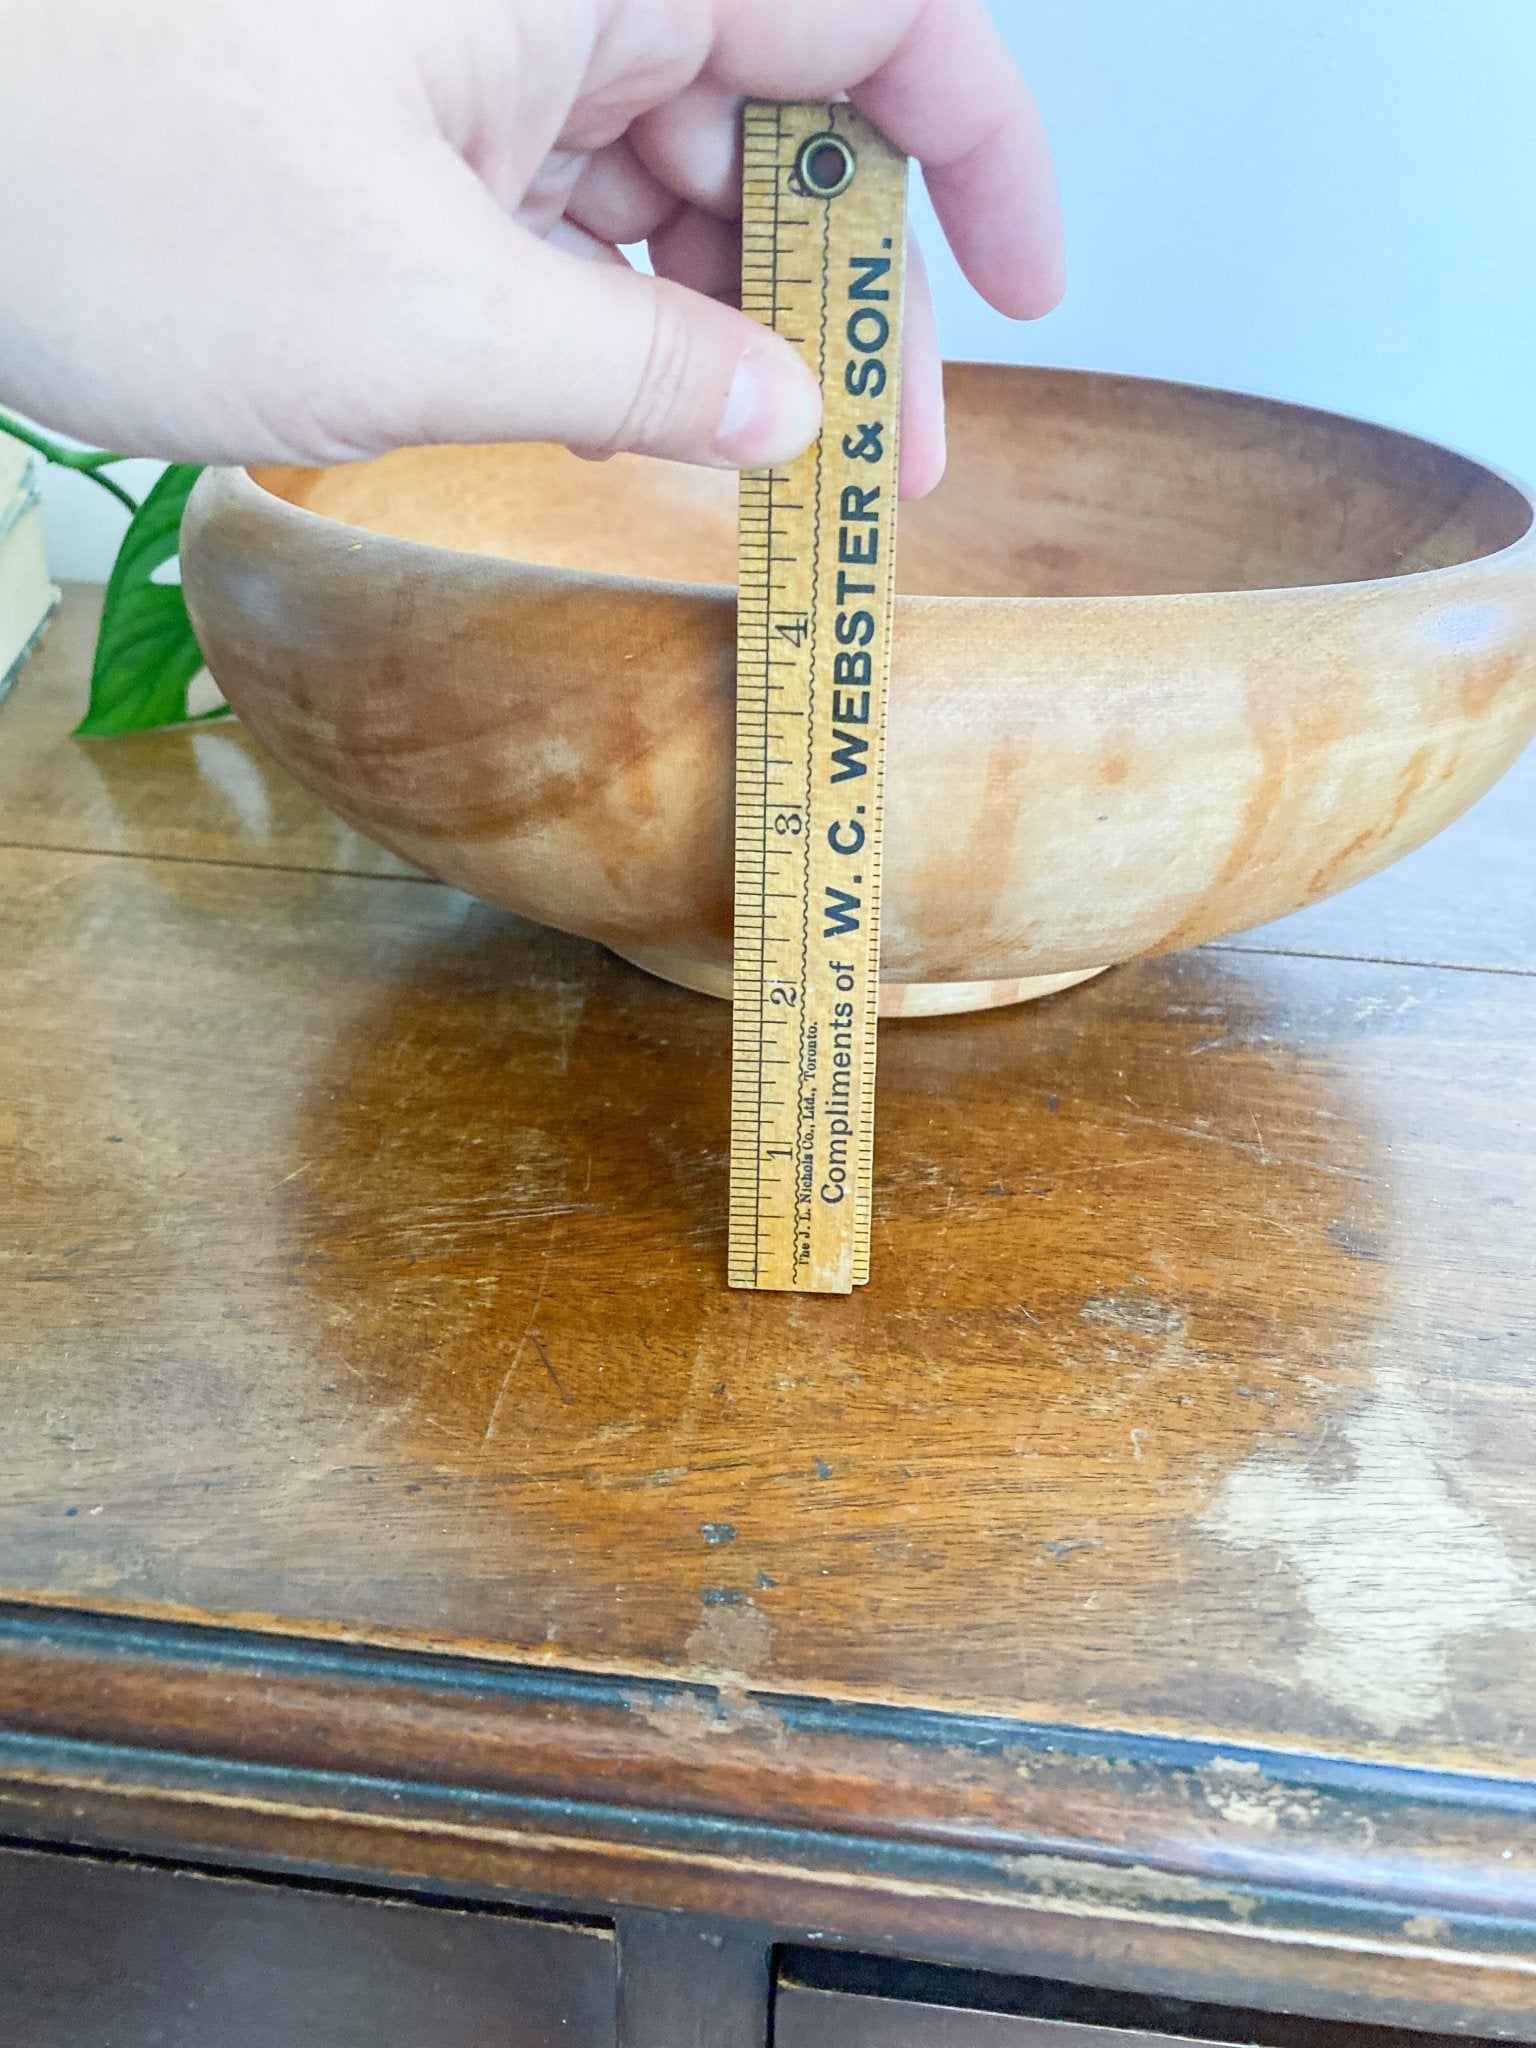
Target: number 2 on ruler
(823,242)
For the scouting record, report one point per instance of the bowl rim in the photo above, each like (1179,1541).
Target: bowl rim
(243,484)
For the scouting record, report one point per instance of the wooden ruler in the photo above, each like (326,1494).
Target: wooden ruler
(823,246)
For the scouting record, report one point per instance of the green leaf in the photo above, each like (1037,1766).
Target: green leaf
(146,652)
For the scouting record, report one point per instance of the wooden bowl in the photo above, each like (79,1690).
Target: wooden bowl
(1168,664)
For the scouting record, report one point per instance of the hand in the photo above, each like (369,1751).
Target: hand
(311,230)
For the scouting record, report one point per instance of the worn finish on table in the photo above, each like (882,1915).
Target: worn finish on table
(362,1277)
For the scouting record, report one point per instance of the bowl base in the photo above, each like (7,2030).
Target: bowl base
(897,998)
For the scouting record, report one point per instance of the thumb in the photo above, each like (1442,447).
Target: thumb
(603,358)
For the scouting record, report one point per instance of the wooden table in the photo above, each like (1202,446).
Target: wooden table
(438,1611)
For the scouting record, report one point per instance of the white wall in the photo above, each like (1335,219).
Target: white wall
(82,525)
(1328,200)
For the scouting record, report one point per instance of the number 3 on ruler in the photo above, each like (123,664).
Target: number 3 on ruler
(823,241)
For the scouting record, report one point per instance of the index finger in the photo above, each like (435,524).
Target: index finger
(951,95)
(938,79)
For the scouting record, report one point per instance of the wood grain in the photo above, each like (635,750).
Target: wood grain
(1168,665)
(1134,1583)
(196,793)
(1464,899)
(374,1282)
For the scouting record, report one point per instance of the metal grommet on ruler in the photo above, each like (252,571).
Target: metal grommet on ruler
(824,165)
(822,258)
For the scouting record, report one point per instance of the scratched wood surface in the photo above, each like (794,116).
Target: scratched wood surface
(362,1269)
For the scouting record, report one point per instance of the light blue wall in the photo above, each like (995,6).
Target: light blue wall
(1325,200)
(1328,200)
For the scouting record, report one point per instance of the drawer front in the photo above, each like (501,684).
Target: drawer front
(116,1955)
(808,2016)
(805,2018)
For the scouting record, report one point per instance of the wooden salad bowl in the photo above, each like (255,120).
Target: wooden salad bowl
(1169,663)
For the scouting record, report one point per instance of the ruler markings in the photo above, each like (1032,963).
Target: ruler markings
(811,704)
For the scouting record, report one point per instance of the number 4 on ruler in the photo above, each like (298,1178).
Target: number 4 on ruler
(823,241)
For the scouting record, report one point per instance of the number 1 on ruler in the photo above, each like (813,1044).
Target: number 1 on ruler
(823,243)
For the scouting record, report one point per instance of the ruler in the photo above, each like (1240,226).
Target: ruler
(823,246)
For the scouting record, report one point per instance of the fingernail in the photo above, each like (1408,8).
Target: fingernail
(771,412)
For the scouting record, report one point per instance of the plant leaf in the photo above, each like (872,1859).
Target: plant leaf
(146,651)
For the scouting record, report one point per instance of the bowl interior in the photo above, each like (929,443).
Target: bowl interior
(1060,483)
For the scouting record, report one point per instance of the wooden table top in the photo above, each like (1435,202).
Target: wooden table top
(362,1272)
(1146,1553)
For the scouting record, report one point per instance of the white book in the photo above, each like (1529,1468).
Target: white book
(24,494)
(15,467)
(27,593)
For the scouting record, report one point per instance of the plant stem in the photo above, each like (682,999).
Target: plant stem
(85,461)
